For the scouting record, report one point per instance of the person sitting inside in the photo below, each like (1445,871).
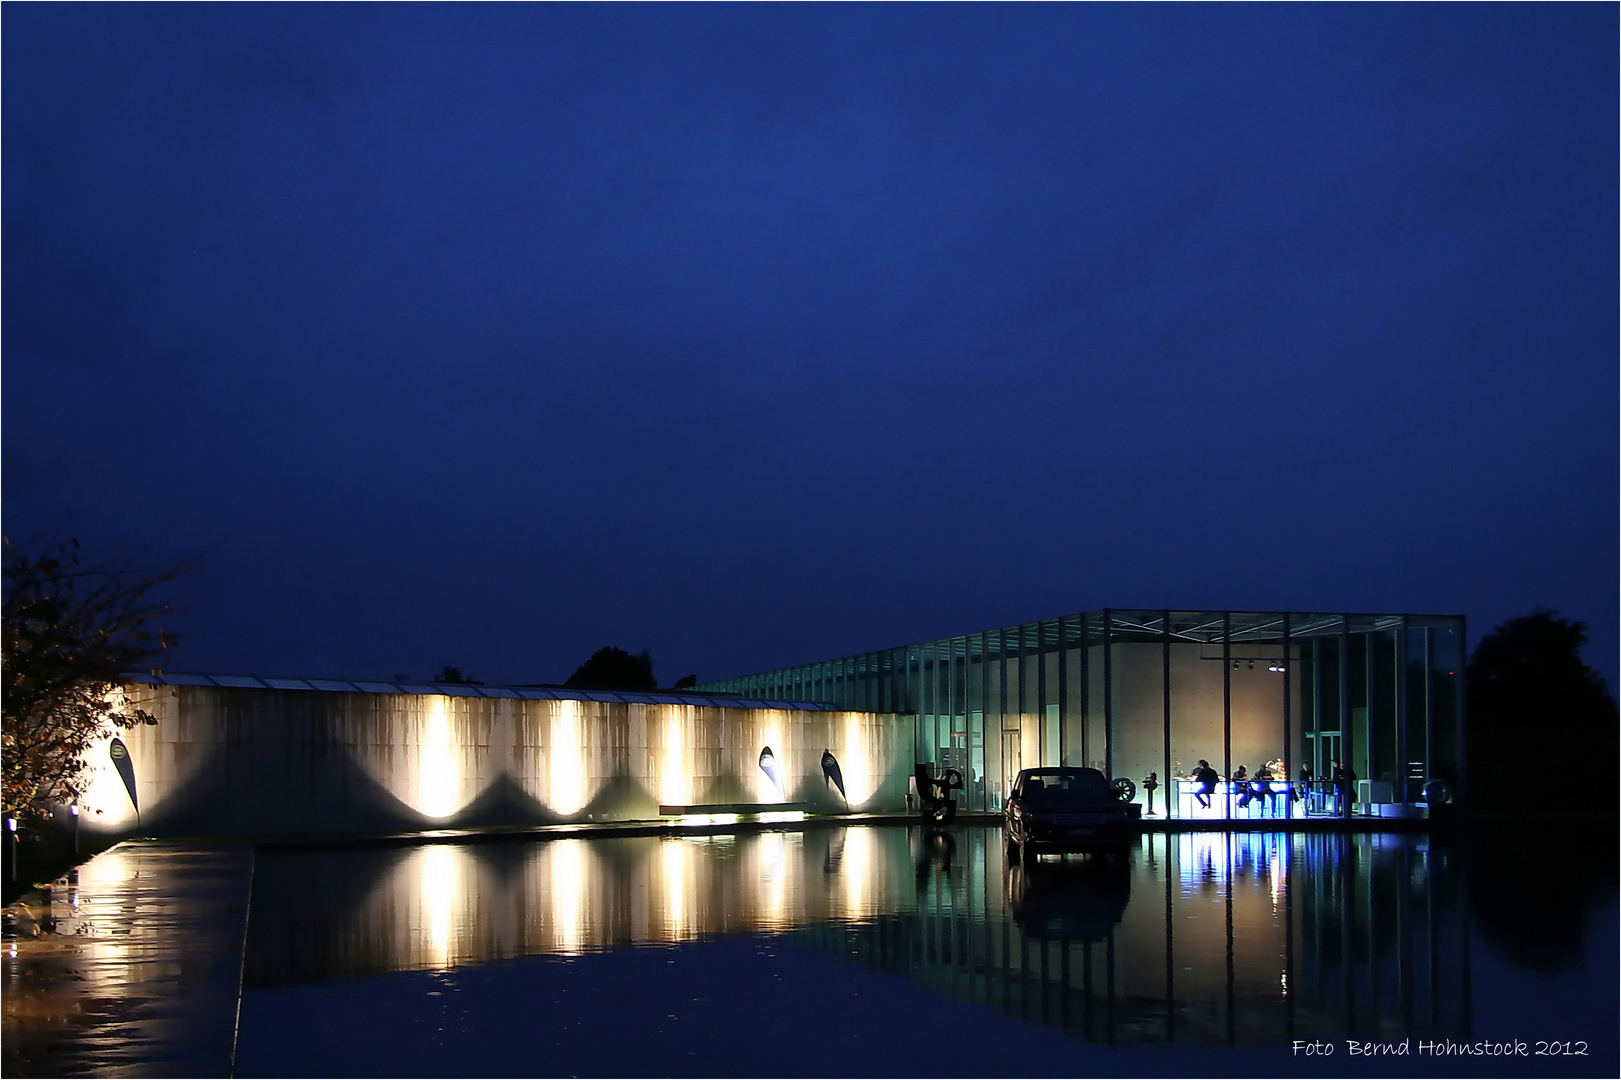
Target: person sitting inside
(1206,776)
(1263,783)
(1241,784)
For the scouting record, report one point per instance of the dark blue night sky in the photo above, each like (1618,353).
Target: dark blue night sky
(489,335)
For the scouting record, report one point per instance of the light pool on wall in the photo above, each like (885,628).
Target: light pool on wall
(855,763)
(568,794)
(438,787)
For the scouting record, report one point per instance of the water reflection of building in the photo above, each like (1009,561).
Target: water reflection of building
(1134,692)
(1200,938)
(1196,942)
(441,905)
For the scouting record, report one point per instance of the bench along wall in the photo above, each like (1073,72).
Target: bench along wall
(247,761)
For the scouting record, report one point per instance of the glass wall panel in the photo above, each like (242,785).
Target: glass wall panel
(1092,727)
(1445,680)
(1379,692)
(1074,656)
(1196,704)
(1139,699)
(997,772)
(1048,681)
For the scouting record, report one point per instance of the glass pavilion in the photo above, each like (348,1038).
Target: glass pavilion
(1136,693)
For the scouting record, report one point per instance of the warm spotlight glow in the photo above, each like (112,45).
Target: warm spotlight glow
(438,780)
(675,776)
(106,803)
(775,776)
(567,753)
(775,816)
(855,763)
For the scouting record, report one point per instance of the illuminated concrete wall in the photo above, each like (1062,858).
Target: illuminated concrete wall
(228,761)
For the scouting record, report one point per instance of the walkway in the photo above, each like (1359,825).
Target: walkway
(138,969)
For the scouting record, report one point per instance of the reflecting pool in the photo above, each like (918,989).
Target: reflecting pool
(865,950)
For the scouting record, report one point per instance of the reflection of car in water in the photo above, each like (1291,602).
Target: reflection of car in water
(1069,809)
(1069,901)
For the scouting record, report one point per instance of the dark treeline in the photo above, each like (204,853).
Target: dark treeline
(1542,745)
(611,668)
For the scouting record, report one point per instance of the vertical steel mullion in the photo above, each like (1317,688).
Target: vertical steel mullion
(1458,717)
(1429,705)
(1023,704)
(1086,690)
(1169,784)
(1316,704)
(1041,690)
(985,721)
(1063,690)
(1343,792)
(1288,713)
(1370,694)
(1108,694)
(1403,750)
(1227,712)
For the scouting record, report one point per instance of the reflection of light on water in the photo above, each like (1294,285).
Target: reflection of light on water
(675,861)
(772,850)
(675,784)
(1202,857)
(853,762)
(567,753)
(856,867)
(708,819)
(439,881)
(438,792)
(1278,874)
(567,859)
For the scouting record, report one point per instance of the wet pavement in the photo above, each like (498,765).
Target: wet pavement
(132,969)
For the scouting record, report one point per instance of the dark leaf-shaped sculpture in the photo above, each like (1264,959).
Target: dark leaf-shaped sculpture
(768,765)
(126,770)
(831,770)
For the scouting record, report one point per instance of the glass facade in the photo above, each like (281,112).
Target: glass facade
(1356,713)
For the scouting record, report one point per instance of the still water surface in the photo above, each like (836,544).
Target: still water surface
(879,950)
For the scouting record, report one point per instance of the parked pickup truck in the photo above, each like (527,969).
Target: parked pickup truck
(1069,809)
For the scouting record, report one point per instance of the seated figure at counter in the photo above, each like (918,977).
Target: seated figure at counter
(1206,776)
(1263,784)
(1241,784)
